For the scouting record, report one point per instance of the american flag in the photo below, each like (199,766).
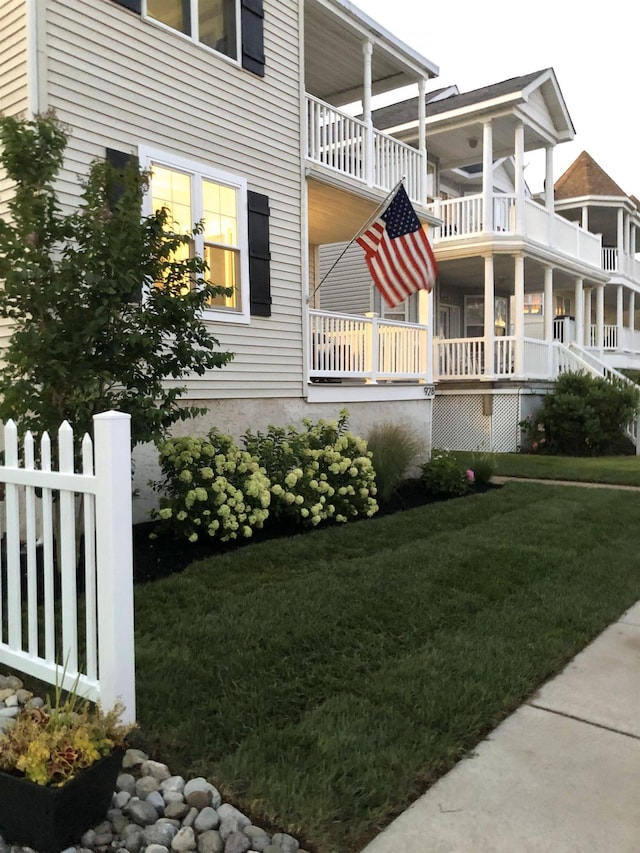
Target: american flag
(398,253)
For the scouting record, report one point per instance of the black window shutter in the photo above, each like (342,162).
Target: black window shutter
(252,17)
(259,255)
(133,5)
(119,160)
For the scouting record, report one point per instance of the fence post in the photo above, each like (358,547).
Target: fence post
(116,651)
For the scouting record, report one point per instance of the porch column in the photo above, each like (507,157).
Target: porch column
(632,310)
(579,308)
(587,316)
(620,240)
(619,311)
(600,317)
(548,304)
(519,177)
(367,49)
(549,199)
(585,217)
(487,176)
(489,318)
(518,307)
(422,138)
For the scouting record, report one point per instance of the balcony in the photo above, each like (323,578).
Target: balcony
(464,217)
(346,146)
(615,261)
(367,349)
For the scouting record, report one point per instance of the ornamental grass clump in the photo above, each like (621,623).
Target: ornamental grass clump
(320,473)
(52,744)
(211,488)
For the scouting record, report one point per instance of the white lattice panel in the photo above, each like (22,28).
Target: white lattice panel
(458,423)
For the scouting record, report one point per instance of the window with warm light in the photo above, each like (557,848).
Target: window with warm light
(213,23)
(194,194)
(533,303)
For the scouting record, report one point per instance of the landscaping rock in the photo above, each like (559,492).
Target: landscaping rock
(286,843)
(237,842)
(210,842)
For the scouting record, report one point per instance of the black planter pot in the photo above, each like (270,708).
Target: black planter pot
(52,819)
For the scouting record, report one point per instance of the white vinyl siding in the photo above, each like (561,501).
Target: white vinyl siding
(146,85)
(13,71)
(348,287)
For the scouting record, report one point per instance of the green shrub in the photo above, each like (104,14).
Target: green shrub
(483,465)
(394,449)
(444,477)
(210,487)
(584,416)
(322,472)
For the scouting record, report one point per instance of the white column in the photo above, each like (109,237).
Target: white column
(422,138)
(632,310)
(548,304)
(600,316)
(587,316)
(585,217)
(579,312)
(487,175)
(619,307)
(489,317)
(519,318)
(627,235)
(367,49)
(519,177)
(548,180)
(620,239)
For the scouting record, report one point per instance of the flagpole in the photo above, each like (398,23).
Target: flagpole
(371,219)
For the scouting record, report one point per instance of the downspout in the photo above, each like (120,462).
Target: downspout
(33,76)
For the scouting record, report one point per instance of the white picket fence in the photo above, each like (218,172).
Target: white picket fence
(50,629)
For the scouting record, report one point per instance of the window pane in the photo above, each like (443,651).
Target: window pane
(173,13)
(224,270)
(172,190)
(217,25)
(219,205)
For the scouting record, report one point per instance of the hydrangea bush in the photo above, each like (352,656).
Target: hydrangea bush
(318,473)
(211,487)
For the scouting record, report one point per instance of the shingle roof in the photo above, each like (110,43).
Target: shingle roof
(585,178)
(406,111)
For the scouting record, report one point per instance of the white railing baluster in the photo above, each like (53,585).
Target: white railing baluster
(48,552)
(14,581)
(32,571)
(67,550)
(91,628)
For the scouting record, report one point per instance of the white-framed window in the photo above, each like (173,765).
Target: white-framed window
(192,192)
(534,303)
(214,23)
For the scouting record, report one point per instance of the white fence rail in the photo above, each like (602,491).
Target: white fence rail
(61,527)
(359,347)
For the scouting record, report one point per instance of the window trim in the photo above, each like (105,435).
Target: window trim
(237,60)
(151,156)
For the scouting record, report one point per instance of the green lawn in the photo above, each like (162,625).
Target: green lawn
(326,680)
(621,470)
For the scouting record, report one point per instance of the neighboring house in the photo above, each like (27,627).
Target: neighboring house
(522,284)
(235,108)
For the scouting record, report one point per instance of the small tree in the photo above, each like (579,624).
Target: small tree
(102,306)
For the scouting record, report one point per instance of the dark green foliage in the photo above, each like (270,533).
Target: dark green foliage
(394,448)
(83,339)
(483,465)
(444,477)
(584,416)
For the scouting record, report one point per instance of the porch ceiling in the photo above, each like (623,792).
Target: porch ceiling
(335,216)
(467,274)
(334,34)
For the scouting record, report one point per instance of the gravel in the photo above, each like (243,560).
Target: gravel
(155,811)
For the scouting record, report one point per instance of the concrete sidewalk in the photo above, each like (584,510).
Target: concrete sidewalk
(560,775)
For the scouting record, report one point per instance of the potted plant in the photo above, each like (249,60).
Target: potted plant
(58,769)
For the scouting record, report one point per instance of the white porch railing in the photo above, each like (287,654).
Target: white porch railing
(462,217)
(610,336)
(347,145)
(42,635)
(615,261)
(345,346)
(464,358)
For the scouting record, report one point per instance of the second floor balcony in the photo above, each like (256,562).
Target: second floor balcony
(466,217)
